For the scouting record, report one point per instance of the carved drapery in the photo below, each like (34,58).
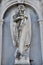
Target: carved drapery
(21,32)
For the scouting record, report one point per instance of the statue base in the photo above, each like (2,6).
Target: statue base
(22,61)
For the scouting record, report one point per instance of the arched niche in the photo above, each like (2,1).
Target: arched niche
(7,45)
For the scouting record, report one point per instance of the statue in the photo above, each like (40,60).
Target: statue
(21,35)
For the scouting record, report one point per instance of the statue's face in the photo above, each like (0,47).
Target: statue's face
(21,8)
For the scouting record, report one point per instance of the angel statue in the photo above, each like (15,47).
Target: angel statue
(21,35)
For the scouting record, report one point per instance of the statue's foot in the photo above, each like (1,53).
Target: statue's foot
(22,61)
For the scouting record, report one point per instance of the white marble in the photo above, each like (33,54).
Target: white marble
(21,33)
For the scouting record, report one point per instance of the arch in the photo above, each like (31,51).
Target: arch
(25,3)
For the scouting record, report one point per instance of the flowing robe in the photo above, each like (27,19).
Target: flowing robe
(22,35)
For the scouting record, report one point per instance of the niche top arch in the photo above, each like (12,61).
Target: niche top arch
(31,4)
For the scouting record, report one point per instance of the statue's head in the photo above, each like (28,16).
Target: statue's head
(21,8)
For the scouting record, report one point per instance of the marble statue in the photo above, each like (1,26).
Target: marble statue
(21,35)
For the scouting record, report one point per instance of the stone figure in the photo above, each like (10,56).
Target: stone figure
(21,35)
